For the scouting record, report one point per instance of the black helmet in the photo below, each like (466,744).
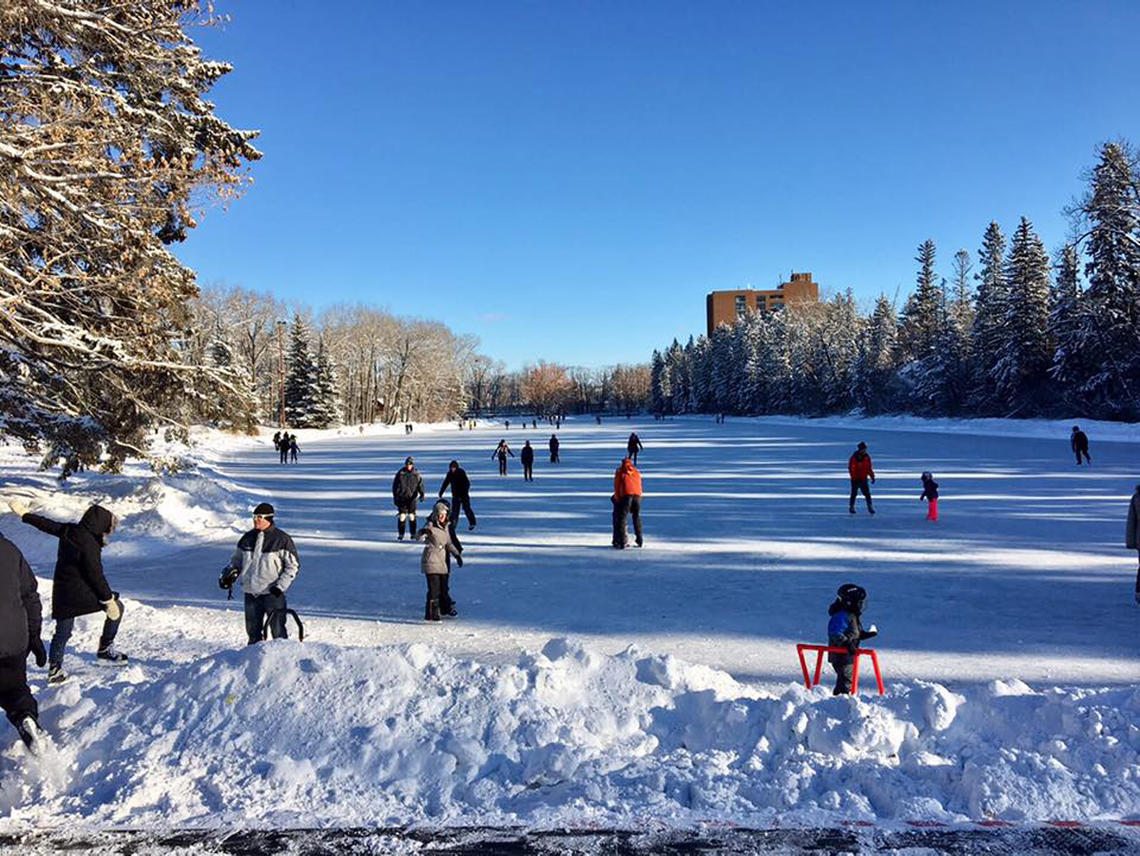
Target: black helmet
(852,596)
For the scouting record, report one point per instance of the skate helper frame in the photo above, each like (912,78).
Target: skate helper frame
(825,649)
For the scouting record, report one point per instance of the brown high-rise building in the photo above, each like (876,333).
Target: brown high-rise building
(724,307)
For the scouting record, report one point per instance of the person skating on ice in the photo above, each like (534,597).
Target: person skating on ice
(501,452)
(554,445)
(627,503)
(20,625)
(265,564)
(861,470)
(845,630)
(633,446)
(460,485)
(930,494)
(438,546)
(1079,442)
(527,458)
(407,491)
(1131,533)
(79,586)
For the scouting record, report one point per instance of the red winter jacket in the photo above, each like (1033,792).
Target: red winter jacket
(627,480)
(859,465)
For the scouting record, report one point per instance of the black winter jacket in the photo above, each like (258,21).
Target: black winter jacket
(929,489)
(1079,440)
(460,483)
(79,587)
(407,486)
(527,455)
(20,612)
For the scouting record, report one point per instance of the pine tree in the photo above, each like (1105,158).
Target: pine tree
(301,388)
(989,316)
(1098,351)
(326,406)
(874,373)
(1020,374)
(660,387)
(923,317)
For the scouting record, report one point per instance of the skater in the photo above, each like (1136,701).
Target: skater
(930,494)
(633,446)
(407,490)
(1132,533)
(79,586)
(277,442)
(598,419)
(627,503)
(527,458)
(533,424)
(20,621)
(554,444)
(293,449)
(266,563)
(460,485)
(1079,441)
(283,447)
(860,469)
(845,630)
(438,546)
(501,452)
(508,424)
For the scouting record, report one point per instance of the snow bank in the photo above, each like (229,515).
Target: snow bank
(298,734)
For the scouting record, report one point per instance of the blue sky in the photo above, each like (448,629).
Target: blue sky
(567,180)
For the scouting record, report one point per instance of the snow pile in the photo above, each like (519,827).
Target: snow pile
(310,734)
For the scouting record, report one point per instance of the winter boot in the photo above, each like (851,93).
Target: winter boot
(412,527)
(400,529)
(432,611)
(56,675)
(31,734)
(110,656)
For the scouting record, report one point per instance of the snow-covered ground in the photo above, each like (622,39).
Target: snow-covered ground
(582,685)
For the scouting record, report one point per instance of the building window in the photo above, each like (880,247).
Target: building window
(741,306)
(761,302)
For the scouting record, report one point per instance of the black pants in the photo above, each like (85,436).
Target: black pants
(554,456)
(502,465)
(462,502)
(15,696)
(1138,585)
(284,454)
(528,471)
(1084,452)
(844,672)
(438,596)
(633,455)
(406,518)
(256,608)
(628,507)
(856,487)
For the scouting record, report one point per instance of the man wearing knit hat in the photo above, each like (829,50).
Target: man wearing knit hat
(266,563)
(407,491)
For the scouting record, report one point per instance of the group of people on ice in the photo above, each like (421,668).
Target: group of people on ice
(286,446)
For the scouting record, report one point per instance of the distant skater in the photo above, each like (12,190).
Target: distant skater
(1131,535)
(633,446)
(930,494)
(501,452)
(527,458)
(293,449)
(554,444)
(1079,441)
(860,469)
(460,485)
(283,447)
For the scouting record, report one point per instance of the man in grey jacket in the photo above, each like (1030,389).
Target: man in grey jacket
(267,563)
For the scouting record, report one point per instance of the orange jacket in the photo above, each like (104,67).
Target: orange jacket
(627,480)
(860,468)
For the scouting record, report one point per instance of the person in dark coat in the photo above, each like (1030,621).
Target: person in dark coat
(79,586)
(633,446)
(845,630)
(554,444)
(438,546)
(460,485)
(293,449)
(930,494)
(527,458)
(1132,533)
(407,491)
(20,624)
(860,469)
(501,452)
(277,441)
(283,447)
(1079,441)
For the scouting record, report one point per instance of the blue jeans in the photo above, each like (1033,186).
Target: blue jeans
(256,608)
(64,628)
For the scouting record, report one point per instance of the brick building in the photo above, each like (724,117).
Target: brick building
(724,307)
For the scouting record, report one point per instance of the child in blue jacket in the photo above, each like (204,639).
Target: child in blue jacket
(845,630)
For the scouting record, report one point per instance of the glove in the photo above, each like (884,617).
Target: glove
(36,649)
(275,590)
(871,632)
(112,608)
(19,508)
(228,577)
(459,561)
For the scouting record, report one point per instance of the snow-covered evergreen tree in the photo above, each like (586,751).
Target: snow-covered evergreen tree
(660,386)
(874,375)
(989,316)
(301,386)
(923,317)
(325,412)
(1098,352)
(1020,374)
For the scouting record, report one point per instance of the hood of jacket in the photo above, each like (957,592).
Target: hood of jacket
(626,465)
(98,521)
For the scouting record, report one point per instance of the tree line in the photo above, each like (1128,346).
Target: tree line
(1016,335)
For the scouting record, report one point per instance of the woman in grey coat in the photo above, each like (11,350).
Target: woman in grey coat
(438,545)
